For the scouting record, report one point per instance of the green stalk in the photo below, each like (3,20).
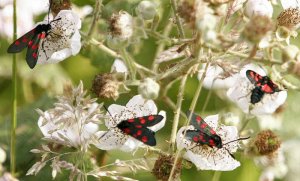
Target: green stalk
(14,98)
(130,63)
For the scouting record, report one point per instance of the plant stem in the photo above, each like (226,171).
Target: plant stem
(177,18)
(14,98)
(216,176)
(97,11)
(129,63)
(192,107)
(177,111)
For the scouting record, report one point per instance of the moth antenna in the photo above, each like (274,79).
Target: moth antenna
(107,111)
(49,10)
(55,20)
(239,139)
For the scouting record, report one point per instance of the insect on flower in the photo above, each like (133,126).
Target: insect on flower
(31,40)
(137,128)
(203,134)
(51,41)
(263,85)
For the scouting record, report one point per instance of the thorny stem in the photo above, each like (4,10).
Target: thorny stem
(14,98)
(192,107)
(97,12)
(177,18)
(177,111)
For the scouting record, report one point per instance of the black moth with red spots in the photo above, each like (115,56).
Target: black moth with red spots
(31,40)
(137,128)
(263,84)
(203,133)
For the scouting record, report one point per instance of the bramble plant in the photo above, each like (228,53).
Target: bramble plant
(163,90)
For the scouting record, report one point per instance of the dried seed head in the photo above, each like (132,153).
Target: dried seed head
(187,11)
(289,18)
(58,5)
(257,28)
(106,86)
(266,142)
(163,166)
(121,25)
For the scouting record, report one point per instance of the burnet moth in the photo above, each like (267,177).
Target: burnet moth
(32,40)
(203,134)
(138,127)
(263,85)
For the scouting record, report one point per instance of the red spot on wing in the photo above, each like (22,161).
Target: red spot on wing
(150,118)
(17,43)
(139,132)
(138,126)
(41,35)
(34,47)
(195,138)
(211,142)
(34,55)
(30,43)
(130,120)
(198,118)
(144,139)
(126,130)
(142,121)
(212,131)
(266,88)
(24,40)
(203,125)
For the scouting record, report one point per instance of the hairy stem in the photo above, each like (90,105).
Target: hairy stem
(129,62)
(97,12)
(14,98)
(177,111)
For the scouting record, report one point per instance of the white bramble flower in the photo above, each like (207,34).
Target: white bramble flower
(241,92)
(114,138)
(121,25)
(63,39)
(273,166)
(216,78)
(119,66)
(261,7)
(205,157)
(74,119)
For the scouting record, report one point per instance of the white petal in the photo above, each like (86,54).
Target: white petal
(290,4)
(115,111)
(269,103)
(131,144)
(183,143)
(161,124)
(213,161)
(112,139)
(212,121)
(141,107)
(119,66)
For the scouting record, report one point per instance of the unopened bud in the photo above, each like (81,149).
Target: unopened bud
(146,9)
(149,89)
